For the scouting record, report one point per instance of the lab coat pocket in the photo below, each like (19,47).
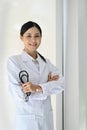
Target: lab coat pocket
(25,122)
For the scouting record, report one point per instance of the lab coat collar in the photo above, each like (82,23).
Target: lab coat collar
(28,59)
(26,56)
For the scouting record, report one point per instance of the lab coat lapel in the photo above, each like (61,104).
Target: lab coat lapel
(27,60)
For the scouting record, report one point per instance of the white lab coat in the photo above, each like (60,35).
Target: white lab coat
(36,114)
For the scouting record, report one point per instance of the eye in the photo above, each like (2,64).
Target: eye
(28,36)
(37,36)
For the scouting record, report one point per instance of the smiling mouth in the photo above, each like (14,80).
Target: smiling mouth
(34,45)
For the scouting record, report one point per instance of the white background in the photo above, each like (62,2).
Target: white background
(12,15)
(63,22)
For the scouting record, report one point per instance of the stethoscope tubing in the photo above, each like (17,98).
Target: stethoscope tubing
(22,74)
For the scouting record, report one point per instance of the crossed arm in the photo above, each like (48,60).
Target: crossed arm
(29,87)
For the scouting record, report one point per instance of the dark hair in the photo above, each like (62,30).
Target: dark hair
(29,25)
(42,57)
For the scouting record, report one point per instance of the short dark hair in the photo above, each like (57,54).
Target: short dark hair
(29,25)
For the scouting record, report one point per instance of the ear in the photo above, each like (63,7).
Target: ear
(21,37)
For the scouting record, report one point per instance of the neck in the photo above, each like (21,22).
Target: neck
(32,54)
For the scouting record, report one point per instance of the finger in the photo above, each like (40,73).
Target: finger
(55,78)
(26,89)
(25,84)
(49,76)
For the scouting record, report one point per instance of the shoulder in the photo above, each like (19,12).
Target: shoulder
(48,61)
(14,59)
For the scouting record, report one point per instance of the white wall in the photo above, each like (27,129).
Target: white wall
(83,63)
(59,60)
(12,15)
(71,66)
(75,40)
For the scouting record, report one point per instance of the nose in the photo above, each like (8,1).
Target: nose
(33,39)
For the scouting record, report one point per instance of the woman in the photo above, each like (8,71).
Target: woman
(35,113)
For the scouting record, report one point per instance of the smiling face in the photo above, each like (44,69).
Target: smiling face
(31,39)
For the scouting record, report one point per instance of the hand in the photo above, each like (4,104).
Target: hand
(52,78)
(29,87)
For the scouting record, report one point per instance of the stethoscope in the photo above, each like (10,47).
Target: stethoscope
(24,77)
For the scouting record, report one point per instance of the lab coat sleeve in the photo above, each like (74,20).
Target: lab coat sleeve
(53,87)
(14,83)
(13,78)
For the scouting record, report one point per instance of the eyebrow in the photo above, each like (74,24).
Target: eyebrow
(35,33)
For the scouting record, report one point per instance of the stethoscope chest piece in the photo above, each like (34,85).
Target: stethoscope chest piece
(24,77)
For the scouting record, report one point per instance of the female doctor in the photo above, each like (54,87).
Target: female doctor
(45,79)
